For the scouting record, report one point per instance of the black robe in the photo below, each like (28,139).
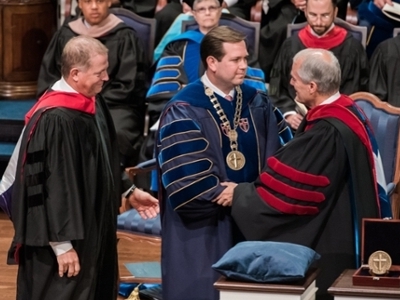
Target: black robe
(273,31)
(353,63)
(67,189)
(384,78)
(303,197)
(124,92)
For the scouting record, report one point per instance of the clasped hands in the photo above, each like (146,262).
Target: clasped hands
(225,198)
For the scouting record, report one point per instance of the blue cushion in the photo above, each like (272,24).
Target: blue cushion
(132,222)
(266,262)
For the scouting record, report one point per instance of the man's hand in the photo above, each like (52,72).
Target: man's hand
(381,3)
(146,205)
(294,120)
(300,4)
(226,196)
(68,263)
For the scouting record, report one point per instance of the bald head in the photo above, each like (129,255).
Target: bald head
(319,66)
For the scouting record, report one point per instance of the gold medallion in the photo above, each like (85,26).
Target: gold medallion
(235,160)
(379,263)
(209,92)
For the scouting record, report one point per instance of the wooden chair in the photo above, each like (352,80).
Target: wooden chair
(145,28)
(359,32)
(250,29)
(385,121)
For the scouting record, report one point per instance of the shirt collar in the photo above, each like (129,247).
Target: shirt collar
(63,86)
(206,81)
(331,99)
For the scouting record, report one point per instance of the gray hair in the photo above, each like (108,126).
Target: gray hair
(320,66)
(78,52)
(195,2)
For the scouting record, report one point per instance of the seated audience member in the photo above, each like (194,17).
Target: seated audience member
(384,76)
(380,27)
(276,15)
(216,129)
(171,11)
(321,32)
(125,92)
(316,190)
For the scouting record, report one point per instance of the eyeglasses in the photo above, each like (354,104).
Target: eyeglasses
(203,10)
(90,1)
(313,16)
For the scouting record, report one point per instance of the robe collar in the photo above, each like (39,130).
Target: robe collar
(95,31)
(331,39)
(215,89)
(338,110)
(71,100)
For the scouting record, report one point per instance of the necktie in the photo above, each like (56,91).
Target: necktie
(228,97)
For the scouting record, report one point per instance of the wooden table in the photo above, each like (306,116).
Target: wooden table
(343,289)
(236,290)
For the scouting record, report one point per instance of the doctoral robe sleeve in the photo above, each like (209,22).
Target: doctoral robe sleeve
(127,84)
(187,158)
(170,75)
(378,76)
(54,180)
(280,89)
(294,188)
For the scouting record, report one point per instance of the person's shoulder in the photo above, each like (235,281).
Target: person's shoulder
(63,113)
(64,34)
(390,45)
(352,42)
(288,42)
(190,92)
(184,38)
(291,46)
(122,29)
(175,45)
(253,96)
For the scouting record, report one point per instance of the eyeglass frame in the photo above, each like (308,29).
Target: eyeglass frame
(203,10)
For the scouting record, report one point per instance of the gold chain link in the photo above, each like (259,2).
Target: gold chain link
(232,133)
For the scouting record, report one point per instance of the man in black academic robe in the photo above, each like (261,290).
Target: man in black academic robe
(125,92)
(384,77)
(320,32)
(67,186)
(315,190)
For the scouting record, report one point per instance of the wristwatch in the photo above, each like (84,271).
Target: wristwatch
(130,191)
